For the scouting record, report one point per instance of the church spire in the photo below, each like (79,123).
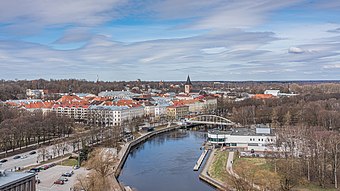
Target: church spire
(188,82)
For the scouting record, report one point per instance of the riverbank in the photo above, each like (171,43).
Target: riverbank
(204,175)
(125,150)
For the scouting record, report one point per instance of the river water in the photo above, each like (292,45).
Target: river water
(165,163)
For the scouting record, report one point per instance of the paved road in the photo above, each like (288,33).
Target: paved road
(28,160)
(229,165)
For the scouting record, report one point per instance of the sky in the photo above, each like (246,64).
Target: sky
(116,40)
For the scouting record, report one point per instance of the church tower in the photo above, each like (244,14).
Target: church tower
(188,85)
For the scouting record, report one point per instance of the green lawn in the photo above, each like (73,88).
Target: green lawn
(217,169)
(68,162)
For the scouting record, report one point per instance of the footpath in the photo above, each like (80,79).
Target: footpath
(204,175)
(229,168)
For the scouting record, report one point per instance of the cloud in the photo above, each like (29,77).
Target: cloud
(74,35)
(337,30)
(296,50)
(40,14)
(218,14)
(332,66)
(231,58)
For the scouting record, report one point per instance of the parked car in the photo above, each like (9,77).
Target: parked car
(35,170)
(58,182)
(33,152)
(76,167)
(63,179)
(23,157)
(3,160)
(17,157)
(67,174)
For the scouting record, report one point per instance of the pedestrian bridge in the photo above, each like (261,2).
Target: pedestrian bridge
(209,120)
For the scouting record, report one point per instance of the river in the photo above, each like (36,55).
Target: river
(165,163)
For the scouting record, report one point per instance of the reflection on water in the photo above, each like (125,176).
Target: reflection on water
(165,163)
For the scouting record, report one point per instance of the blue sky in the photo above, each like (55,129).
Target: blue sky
(168,39)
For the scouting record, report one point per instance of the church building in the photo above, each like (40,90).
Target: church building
(188,86)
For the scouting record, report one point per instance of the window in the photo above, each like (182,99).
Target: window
(259,139)
(233,144)
(262,140)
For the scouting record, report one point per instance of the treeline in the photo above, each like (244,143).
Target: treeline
(322,110)
(308,129)
(20,128)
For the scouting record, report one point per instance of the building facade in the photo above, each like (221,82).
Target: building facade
(15,181)
(177,112)
(112,115)
(245,139)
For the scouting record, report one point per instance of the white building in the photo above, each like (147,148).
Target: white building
(272,92)
(118,94)
(160,110)
(112,115)
(245,139)
(278,93)
(76,112)
(34,93)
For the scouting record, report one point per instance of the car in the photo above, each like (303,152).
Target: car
(34,170)
(17,157)
(59,182)
(67,174)
(23,157)
(63,179)
(32,152)
(3,160)
(45,167)
(76,167)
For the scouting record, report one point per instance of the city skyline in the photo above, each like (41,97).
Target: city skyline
(167,40)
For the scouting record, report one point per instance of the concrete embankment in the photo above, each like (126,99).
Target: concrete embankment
(200,160)
(204,175)
(125,150)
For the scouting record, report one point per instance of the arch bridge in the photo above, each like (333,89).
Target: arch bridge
(209,120)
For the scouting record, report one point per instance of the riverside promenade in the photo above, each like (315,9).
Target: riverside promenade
(204,175)
(125,150)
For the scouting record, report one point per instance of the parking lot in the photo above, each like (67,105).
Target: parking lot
(47,178)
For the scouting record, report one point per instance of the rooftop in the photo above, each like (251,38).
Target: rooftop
(244,131)
(11,177)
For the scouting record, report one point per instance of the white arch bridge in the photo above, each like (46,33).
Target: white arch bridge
(209,120)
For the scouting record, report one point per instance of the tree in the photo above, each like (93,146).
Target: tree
(102,163)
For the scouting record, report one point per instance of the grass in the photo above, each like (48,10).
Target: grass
(260,164)
(313,187)
(257,162)
(217,169)
(68,162)
(136,134)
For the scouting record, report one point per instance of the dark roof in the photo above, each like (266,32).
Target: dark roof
(188,82)
(12,178)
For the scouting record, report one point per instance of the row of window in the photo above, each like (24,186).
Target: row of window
(268,140)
